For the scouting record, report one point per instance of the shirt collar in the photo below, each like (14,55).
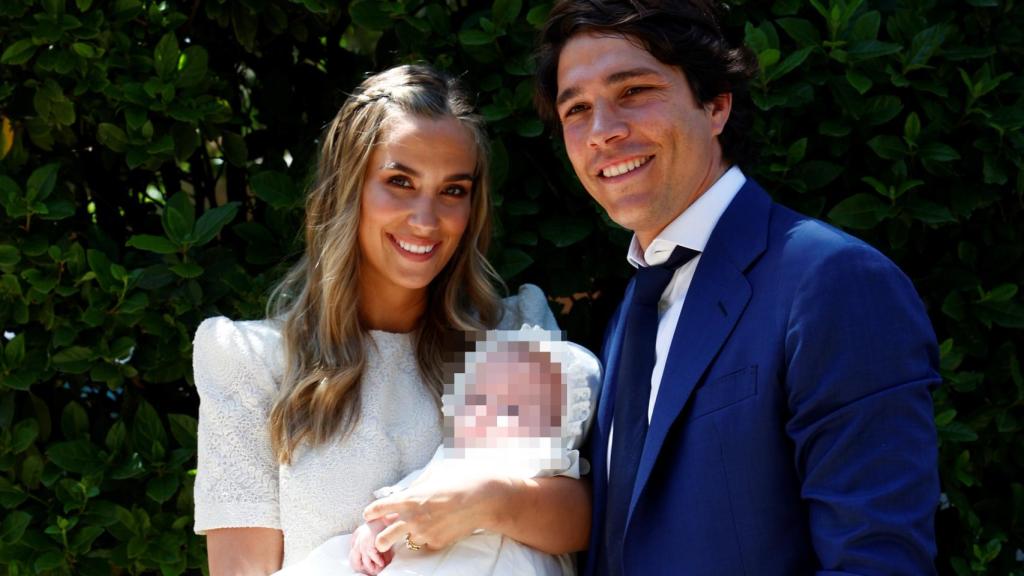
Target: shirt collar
(693,227)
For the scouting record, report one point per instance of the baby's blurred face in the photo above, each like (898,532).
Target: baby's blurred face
(513,394)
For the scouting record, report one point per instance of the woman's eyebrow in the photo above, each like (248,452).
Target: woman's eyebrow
(392,165)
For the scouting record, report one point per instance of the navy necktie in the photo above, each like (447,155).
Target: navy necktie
(632,396)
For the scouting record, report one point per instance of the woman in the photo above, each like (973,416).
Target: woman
(304,415)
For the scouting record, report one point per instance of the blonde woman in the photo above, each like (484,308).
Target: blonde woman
(305,414)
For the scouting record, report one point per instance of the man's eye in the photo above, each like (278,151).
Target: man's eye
(575,109)
(510,410)
(633,90)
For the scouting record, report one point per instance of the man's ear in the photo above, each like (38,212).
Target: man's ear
(718,109)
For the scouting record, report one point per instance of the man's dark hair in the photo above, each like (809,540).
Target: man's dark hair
(683,33)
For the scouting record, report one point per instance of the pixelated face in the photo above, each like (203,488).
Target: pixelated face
(514,393)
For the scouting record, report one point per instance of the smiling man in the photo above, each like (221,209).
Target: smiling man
(766,406)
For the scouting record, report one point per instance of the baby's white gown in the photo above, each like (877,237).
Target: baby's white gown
(484,553)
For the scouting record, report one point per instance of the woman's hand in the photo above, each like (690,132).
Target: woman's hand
(363,556)
(549,514)
(435,514)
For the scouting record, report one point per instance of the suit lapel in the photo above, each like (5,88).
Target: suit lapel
(715,300)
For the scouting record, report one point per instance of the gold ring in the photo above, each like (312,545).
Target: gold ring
(412,545)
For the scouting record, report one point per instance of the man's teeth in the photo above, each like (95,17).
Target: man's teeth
(416,248)
(620,169)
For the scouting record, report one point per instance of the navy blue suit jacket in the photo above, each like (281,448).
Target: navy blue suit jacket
(793,431)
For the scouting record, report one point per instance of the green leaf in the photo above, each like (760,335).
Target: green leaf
(234,149)
(74,360)
(179,218)
(212,221)
(148,434)
(475,37)
(513,261)
(924,45)
(9,255)
(84,50)
(276,189)
(859,81)
(768,58)
(790,63)
(82,541)
(369,14)
(530,128)
(24,434)
(939,152)
(187,269)
(14,526)
(193,66)
(957,432)
(165,56)
(1000,293)
(48,561)
(912,127)
(151,243)
(888,147)
(184,429)
(112,137)
(80,456)
(538,15)
(860,211)
(74,422)
(866,27)
(929,212)
(18,52)
(505,12)
(116,436)
(800,30)
(14,353)
(870,49)
(41,183)
(881,109)
(162,488)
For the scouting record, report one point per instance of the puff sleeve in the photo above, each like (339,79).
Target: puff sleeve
(237,479)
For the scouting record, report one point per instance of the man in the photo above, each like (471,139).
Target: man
(768,410)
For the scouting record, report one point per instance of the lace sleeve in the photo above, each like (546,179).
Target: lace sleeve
(237,479)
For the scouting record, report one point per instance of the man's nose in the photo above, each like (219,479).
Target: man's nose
(607,125)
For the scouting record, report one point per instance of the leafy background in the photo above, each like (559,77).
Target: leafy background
(153,157)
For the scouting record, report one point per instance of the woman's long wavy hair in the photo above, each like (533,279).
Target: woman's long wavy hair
(318,300)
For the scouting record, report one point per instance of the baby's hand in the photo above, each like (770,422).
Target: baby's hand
(363,556)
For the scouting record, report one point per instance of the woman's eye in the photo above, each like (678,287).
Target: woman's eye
(455,191)
(400,181)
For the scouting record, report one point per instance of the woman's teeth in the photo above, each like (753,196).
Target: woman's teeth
(628,166)
(416,248)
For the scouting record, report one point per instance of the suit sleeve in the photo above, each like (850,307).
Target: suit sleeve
(861,363)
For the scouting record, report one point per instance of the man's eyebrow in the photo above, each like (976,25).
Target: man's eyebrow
(458,177)
(613,78)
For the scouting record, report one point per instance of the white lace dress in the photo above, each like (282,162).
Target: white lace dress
(323,491)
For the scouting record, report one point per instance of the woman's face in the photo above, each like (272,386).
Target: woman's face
(415,202)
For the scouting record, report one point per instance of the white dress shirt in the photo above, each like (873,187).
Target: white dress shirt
(691,229)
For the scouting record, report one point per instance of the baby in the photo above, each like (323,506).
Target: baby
(520,408)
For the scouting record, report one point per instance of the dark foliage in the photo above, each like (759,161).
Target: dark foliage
(153,157)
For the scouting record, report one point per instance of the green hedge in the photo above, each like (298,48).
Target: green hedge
(154,156)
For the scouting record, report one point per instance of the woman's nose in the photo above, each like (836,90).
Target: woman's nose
(423,213)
